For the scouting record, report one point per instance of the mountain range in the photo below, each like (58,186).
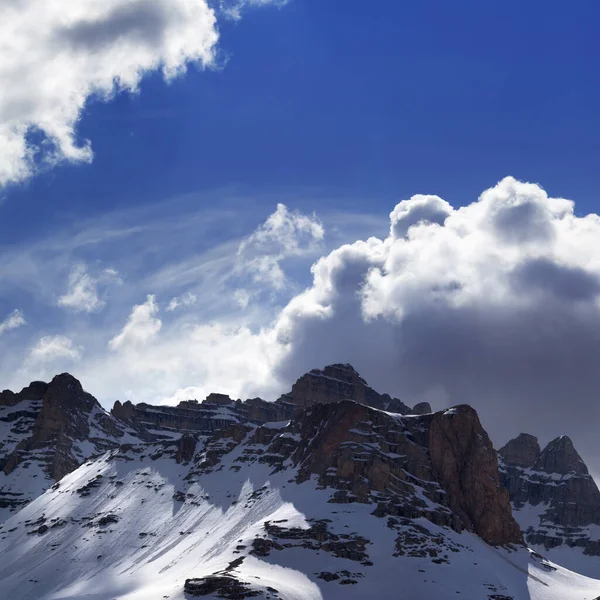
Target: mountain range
(333,491)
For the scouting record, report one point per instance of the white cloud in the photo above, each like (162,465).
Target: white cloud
(186,301)
(14,320)
(496,303)
(54,347)
(283,235)
(419,209)
(141,327)
(82,293)
(57,54)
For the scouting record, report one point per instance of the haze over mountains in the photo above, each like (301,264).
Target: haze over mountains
(332,491)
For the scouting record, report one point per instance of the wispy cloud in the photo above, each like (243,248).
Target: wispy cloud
(82,294)
(52,348)
(14,320)
(142,325)
(185,301)
(197,325)
(283,235)
(233,9)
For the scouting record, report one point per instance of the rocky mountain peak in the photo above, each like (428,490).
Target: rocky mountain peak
(123,411)
(554,498)
(523,450)
(340,382)
(370,454)
(67,392)
(560,456)
(52,428)
(421,408)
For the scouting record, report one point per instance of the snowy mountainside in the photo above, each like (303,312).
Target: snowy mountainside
(332,491)
(343,501)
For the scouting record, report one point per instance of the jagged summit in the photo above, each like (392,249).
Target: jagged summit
(34,391)
(560,456)
(342,382)
(555,500)
(334,383)
(524,450)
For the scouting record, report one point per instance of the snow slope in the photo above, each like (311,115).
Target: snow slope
(134,524)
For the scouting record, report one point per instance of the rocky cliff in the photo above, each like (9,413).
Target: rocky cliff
(439,466)
(555,499)
(48,430)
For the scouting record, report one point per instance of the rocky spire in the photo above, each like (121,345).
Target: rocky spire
(560,456)
(523,450)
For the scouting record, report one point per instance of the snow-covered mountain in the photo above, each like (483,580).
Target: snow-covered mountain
(333,491)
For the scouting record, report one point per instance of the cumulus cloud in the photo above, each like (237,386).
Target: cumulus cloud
(142,325)
(82,293)
(53,348)
(283,235)
(13,321)
(496,303)
(57,55)
(419,209)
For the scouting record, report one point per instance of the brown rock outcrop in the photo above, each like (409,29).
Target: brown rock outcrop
(371,455)
(465,463)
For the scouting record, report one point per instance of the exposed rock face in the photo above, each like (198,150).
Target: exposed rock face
(422,408)
(371,456)
(332,384)
(465,463)
(524,450)
(560,456)
(34,391)
(186,449)
(555,484)
(340,382)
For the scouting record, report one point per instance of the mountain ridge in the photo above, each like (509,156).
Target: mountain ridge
(427,486)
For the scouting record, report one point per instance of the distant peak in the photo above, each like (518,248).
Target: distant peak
(560,456)
(523,450)
(422,408)
(66,380)
(66,391)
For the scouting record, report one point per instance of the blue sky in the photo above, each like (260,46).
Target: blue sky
(162,267)
(363,104)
